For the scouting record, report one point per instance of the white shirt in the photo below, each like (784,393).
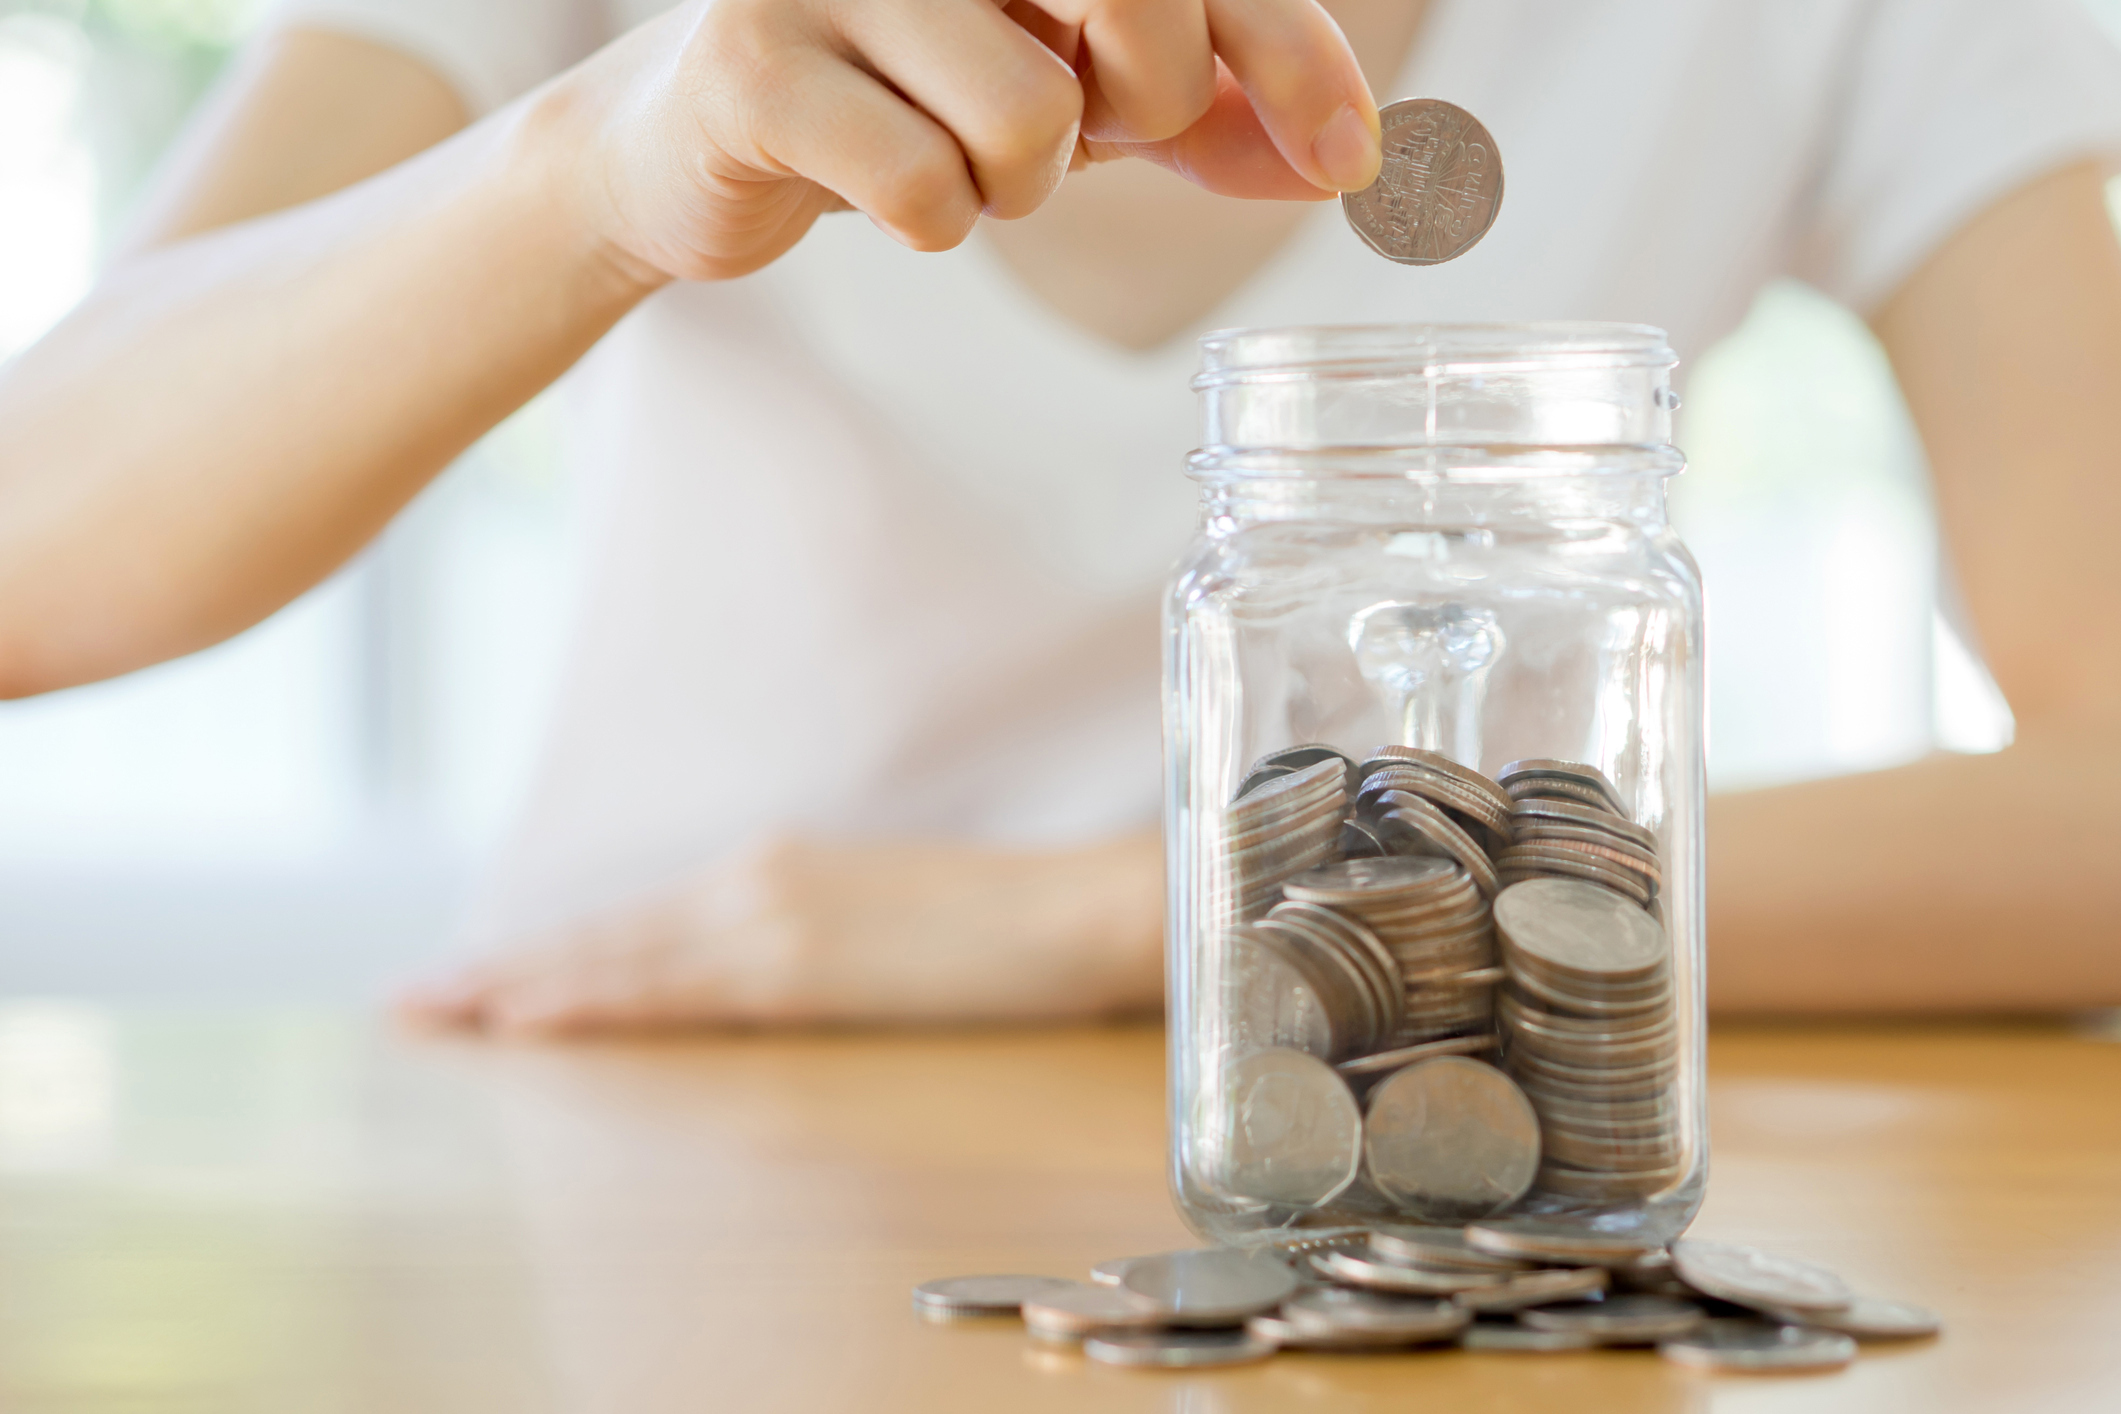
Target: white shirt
(880,538)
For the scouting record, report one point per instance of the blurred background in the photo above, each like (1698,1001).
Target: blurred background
(297,814)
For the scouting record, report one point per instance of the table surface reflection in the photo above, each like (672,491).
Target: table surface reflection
(298,1212)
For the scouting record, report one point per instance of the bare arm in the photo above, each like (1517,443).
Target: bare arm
(1975,883)
(246,398)
(264,377)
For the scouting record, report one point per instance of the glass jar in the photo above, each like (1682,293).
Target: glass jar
(1434,738)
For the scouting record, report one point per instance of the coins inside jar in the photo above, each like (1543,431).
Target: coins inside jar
(1388,916)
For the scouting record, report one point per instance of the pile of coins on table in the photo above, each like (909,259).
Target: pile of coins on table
(1441,992)
(1506,1286)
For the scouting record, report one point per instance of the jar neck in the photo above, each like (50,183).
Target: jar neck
(1631,492)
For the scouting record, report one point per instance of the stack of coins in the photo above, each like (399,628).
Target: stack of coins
(1590,1032)
(1282,823)
(1510,1286)
(1569,822)
(1433,922)
(1472,805)
(1362,906)
(1310,978)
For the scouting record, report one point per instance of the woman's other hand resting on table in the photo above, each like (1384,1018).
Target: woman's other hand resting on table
(805,931)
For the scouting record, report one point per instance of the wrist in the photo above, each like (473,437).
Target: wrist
(549,166)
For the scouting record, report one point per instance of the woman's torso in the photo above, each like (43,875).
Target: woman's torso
(880,535)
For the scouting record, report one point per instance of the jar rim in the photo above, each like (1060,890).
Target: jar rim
(1460,464)
(1396,350)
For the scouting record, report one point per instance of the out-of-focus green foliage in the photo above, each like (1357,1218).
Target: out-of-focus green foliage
(211,25)
(148,62)
(208,24)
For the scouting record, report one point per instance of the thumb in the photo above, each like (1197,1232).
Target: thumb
(1227,151)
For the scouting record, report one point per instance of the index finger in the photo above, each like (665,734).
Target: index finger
(1227,151)
(1295,66)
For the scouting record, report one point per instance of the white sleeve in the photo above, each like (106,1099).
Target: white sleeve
(1947,106)
(490,51)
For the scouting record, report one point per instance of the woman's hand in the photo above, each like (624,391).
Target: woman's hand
(704,144)
(804,932)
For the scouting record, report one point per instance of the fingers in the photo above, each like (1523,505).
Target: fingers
(1151,70)
(924,114)
(1151,73)
(1304,83)
(1010,101)
(1228,152)
(817,116)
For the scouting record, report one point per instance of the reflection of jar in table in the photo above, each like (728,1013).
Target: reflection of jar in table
(1434,711)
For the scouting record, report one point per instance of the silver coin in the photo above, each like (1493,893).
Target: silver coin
(944,1316)
(1287,1336)
(983,1293)
(1109,1271)
(1535,830)
(1471,807)
(1437,1247)
(1571,813)
(1544,1240)
(1611,1153)
(1575,772)
(1353,880)
(1259,776)
(1309,753)
(1865,1318)
(1536,1289)
(1292,792)
(1617,855)
(1522,862)
(1757,1345)
(1442,765)
(1579,930)
(1408,824)
(1750,1277)
(1359,841)
(1335,1310)
(1384,1062)
(1401,1278)
(1559,790)
(1594,1077)
(1272,998)
(1451,1135)
(1630,1319)
(1585,1004)
(1439,188)
(1177,1349)
(1080,1308)
(1211,1286)
(1338,970)
(1654,1111)
(1596,1186)
(1290,1130)
(1496,1336)
(1372,960)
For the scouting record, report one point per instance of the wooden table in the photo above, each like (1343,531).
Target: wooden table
(270,1212)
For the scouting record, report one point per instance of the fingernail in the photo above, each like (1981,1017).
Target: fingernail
(1347,151)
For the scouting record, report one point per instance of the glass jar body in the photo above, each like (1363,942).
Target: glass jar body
(1393,582)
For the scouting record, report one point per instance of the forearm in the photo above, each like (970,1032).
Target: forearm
(225,420)
(1957,884)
